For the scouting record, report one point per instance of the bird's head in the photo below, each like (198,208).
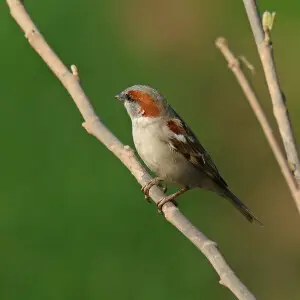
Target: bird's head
(143,101)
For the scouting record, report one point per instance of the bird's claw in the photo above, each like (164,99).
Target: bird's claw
(170,198)
(163,201)
(146,188)
(147,198)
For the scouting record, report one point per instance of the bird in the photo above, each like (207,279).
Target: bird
(171,150)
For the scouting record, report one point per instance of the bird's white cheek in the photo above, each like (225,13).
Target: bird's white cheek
(133,109)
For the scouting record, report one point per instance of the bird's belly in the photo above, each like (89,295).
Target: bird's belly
(166,163)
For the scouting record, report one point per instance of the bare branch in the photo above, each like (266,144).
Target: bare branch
(234,65)
(94,126)
(262,37)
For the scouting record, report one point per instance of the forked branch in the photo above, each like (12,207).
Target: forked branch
(94,126)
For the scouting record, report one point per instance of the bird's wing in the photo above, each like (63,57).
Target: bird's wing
(184,141)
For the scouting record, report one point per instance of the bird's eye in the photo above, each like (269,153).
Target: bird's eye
(128,97)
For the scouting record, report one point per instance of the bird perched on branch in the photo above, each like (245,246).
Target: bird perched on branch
(170,149)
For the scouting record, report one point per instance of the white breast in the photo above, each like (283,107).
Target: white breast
(149,142)
(152,144)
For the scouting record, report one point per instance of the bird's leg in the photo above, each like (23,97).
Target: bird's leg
(171,197)
(149,185)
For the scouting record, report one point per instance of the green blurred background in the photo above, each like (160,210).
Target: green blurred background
(73,222)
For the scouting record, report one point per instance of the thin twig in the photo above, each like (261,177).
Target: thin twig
(265,49)
(234,65)
(95,127)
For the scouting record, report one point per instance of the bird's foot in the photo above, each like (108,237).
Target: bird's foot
(146,188)
(170,198)
(163,201)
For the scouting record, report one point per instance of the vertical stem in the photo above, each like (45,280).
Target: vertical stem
(280,110)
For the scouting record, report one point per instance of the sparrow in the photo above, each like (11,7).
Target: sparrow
(170,149)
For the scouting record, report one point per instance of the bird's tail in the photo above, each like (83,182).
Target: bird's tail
(238,204)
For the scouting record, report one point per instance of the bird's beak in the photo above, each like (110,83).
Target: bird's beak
(120,97)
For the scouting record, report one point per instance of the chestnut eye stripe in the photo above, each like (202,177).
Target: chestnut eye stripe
(149,106)
(134,95)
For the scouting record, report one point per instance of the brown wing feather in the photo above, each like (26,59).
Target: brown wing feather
(193,150)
